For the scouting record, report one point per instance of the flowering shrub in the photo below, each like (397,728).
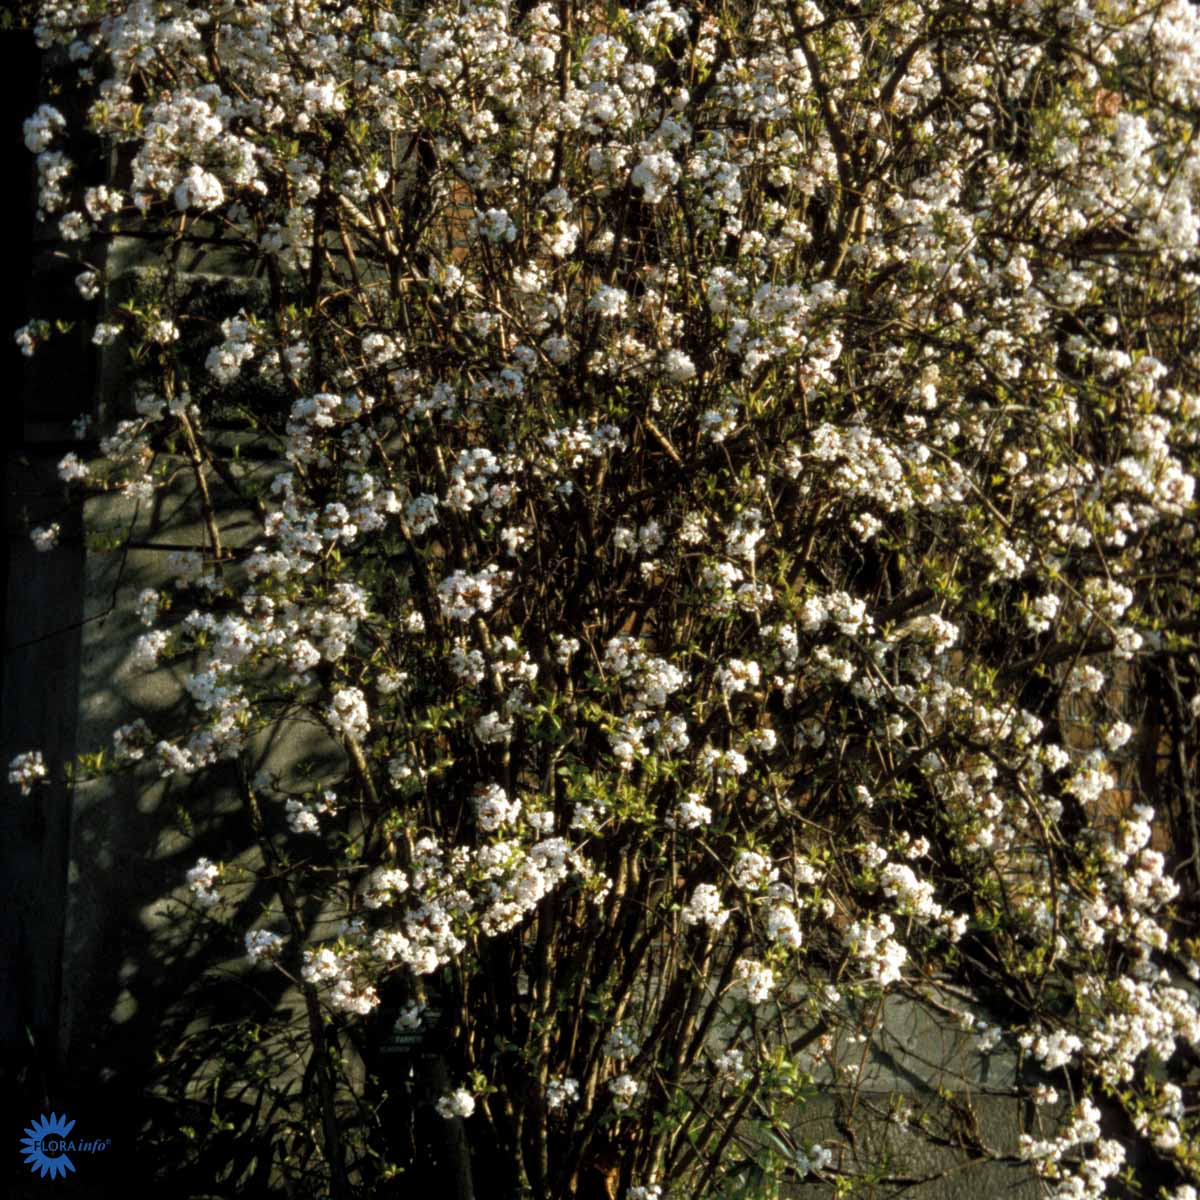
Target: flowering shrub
(737,472)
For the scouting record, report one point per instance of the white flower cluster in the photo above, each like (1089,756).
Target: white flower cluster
(756,980)
(203,879)
(1056,1049)
(620,1043)
(71,470)
(29,335)
(199,189)
(517,880)
(736,676)
(1087,1181)
(814,1158)
(384,886)
(655,173)
(471,482)
(130,742)
(42,128)
(348,713)
(458,1103)
(783,928)
(609,302)
(262,943)
(304,816)
(560,1092)
(704,907)
(872,943)
(493,808)
(27,770)
(752,871)
(624,1089)
(46,537)
(653,679)
(495,225)
(691,813)
(913,896)
(730,1067)
(349,990)
(650,1191)
(463,595)
(225,362)
(574,445)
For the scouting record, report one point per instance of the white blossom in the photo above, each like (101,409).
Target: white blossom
(27,770)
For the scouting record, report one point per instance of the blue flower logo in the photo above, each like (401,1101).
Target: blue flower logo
(42,1146)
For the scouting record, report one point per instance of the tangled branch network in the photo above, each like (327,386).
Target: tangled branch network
(731,510)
